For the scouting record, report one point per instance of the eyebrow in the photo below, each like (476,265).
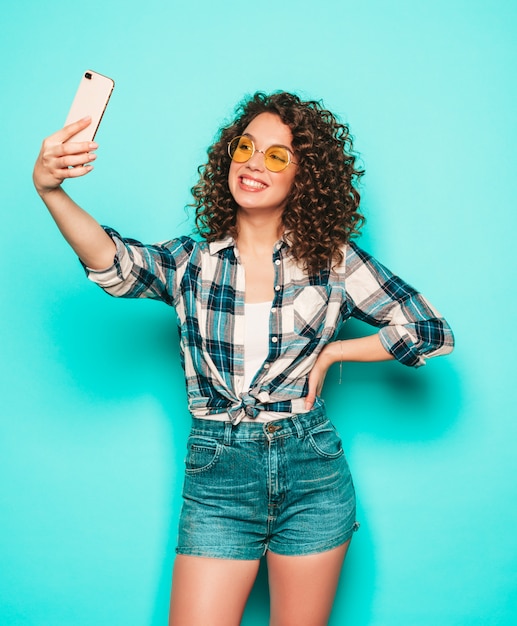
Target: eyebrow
(280,145)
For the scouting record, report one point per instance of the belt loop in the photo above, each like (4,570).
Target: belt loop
(298,426)
(228,428)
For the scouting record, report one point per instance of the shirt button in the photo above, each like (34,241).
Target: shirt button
(266,366)
(274,339)
(273,310)
(277,287)
(277,262)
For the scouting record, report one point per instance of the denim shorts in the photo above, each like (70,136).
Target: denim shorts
(282,486)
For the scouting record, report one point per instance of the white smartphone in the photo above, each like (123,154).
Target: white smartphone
(91,99)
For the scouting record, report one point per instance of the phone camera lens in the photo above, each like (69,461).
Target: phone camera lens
(88,75)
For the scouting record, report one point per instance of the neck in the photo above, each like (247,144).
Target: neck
(256,232)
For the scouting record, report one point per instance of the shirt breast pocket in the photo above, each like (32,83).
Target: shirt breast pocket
(310,309)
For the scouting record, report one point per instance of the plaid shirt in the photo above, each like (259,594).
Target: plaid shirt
(205,283)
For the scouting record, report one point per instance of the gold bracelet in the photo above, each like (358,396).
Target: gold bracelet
(341,363)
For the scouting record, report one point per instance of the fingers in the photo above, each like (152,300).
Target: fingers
(75,172)
(310,398)
(69,131)
(52,148)
(58,161)
(316,381)
(315,387)
(55,145)
(73,160)
(309,401)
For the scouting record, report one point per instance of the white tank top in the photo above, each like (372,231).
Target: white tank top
(256,339)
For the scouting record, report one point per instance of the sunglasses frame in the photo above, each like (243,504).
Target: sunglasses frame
(254,149)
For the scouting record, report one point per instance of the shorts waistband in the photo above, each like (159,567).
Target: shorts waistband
(297,424)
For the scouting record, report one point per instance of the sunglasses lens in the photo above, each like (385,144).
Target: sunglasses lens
(277,158)
(241,149)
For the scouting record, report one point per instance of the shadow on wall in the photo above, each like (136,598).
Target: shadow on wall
(257,609)
(391,401)
(133,344)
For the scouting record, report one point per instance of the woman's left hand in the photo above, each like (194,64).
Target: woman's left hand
(317,376)
(365,349)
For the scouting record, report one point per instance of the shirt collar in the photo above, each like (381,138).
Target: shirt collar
(221,244)
(286,238)
(229,242)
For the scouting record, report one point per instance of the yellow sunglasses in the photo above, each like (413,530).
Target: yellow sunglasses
(276,158)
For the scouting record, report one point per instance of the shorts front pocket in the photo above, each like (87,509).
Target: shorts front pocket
(325,441)
(202,454)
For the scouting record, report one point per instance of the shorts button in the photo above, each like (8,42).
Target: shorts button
(272,428)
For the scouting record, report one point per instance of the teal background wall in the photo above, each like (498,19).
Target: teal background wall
(92,407)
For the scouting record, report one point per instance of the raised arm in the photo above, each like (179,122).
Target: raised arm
(60,159)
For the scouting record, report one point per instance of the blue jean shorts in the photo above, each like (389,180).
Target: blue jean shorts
(282,486)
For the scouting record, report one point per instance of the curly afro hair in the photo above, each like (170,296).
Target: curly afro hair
(321,213)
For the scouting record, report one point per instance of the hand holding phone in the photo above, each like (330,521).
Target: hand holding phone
(90,100)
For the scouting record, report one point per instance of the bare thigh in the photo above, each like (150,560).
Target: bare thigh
(302,588)
(210,592)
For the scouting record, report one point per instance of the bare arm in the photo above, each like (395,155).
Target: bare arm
(57,161)
(365,349)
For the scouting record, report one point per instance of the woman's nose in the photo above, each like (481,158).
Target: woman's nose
(257,160)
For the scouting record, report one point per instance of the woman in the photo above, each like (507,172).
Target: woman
(260,298)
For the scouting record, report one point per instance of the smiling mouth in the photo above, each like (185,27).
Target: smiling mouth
(253,184)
